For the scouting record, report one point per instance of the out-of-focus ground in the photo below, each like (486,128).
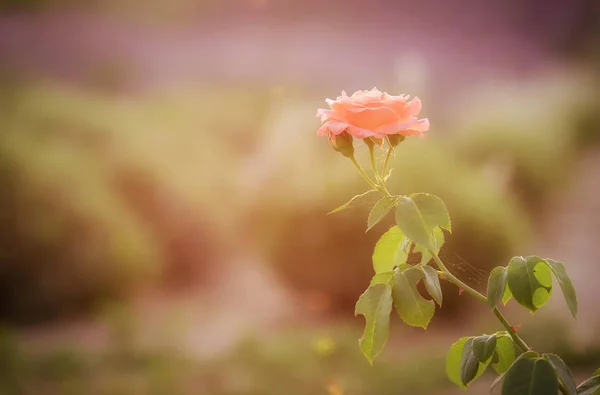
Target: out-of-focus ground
(163,191)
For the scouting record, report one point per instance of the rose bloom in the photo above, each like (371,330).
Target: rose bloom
(372,114)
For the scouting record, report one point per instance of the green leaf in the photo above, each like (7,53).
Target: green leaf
(453,363)
(433,210)
(507,296)
(530,281)
(432,283)
(410,221)
(529,355)
(382,278)
(410,305)
(505,352)
(500,378)
(563,373)
(560,273)
(590,386)
(380,210)
(419,215)
(388,251)
(496,286)
(495,358)
(484,347)
(349,202)
(530,377)
(375,304)
(437,241)
(469,364)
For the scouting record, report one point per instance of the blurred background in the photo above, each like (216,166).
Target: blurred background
(163,193)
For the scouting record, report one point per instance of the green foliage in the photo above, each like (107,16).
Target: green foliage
(530,281)
(494,218)
(410,305)
(397,287)
(419,214)
(517,376)
(349,202)
(590,386)
(507,296)
(410,221)
(504,355)
(314,253)
(500,378)
(375,304)
(421,219)
(380,210)
(566,286)
(389,251)
(496,288)
(529,376)
(484,347)
(432,283)
(382,278)
(469,357)
(438,242)
(563,372)
(469,363)
(460,362)
(432,210)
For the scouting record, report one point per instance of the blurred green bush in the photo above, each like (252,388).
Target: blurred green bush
(304,361)
(533,131)
(101,195)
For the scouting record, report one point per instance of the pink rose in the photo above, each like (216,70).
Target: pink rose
(372,114)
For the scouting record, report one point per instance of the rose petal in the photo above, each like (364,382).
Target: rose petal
(402,128)
(332,127)
(374,114)
(343,105)
(367,98)
(371,118)
(422,125)
(324,114)
(323,131)
(361,133)
(414,106)
(398,105)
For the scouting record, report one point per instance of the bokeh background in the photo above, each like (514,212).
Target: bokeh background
(163,193)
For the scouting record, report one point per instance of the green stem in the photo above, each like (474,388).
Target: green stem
(363,174)
(516,338)
(453,279)
(386,160)
(373,164)
(378,177)
(380,186)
